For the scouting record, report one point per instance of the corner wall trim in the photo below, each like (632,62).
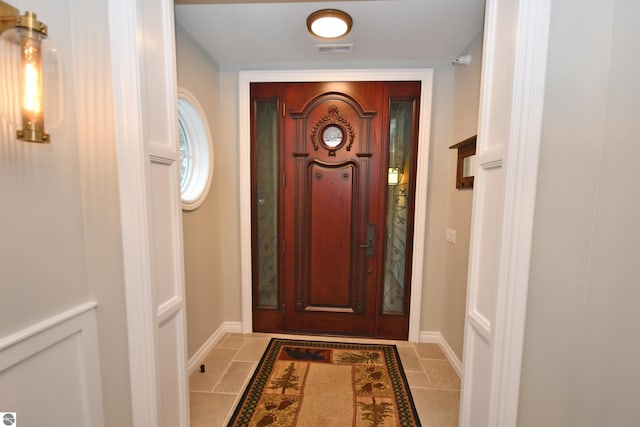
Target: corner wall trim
(211,342)
(435,337)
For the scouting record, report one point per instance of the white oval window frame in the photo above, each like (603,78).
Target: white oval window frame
(198,135)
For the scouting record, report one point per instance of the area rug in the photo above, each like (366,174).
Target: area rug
(317,384)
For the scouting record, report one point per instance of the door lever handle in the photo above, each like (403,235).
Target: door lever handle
(371,239)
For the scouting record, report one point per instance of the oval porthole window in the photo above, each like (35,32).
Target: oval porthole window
(196,151)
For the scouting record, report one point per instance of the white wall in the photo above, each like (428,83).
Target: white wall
(60,226)
(580,357)
(98,164)
(42,248)
(204,228)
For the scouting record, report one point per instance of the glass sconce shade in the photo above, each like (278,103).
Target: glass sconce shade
(32,87)
(32,74)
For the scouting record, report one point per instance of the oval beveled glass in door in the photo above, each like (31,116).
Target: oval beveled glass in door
(397,218)
(266,205)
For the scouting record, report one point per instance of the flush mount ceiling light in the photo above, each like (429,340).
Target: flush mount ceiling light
(329,23)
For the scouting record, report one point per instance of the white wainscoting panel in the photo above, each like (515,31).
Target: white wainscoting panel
(50,371)
(163,175)
(477,355)
(171,355)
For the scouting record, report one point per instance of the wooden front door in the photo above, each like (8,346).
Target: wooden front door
(321,202)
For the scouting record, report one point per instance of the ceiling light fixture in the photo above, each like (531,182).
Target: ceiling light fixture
(329,23)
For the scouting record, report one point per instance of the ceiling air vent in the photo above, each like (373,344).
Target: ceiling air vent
(327,49)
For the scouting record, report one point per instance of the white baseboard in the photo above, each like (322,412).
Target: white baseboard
(214,339)
(236,328)
(437,338)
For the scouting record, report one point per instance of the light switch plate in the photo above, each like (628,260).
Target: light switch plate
(451,236)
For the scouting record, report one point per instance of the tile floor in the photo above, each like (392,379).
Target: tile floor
(229,366)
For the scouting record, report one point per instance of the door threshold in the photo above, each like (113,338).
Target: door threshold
(319,336)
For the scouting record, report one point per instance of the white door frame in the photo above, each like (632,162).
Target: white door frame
(509,129)
(425,76)
(145,109)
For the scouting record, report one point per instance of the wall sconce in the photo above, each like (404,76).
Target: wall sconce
(27,32)
(329,23)
(394,176)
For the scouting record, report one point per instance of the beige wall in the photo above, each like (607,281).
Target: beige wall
(581,352)
(231,233)
(455,118)
(434,275)
(444,286)
(466,98)
(60,242)
(441,136)
(205,236)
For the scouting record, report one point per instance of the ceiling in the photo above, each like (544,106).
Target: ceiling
(251,33)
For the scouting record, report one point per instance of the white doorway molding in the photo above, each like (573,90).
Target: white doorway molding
(509,129)
(425,76)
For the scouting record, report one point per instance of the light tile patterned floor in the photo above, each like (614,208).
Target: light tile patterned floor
(434,384)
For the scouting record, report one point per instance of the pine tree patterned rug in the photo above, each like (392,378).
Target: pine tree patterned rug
(317,384)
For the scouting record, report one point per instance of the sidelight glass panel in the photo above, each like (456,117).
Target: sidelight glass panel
(397,216)
(267,201)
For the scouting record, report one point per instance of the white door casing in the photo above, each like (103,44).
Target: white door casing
(145,97)
(425,76)
(511,102)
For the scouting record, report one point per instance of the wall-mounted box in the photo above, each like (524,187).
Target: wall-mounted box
(466,162)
